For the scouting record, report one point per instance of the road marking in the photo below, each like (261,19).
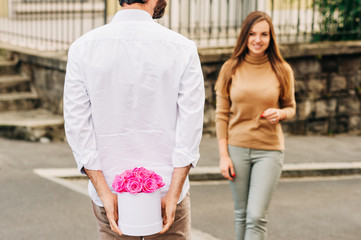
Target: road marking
(290,167)
(211,182)
(60,176)
(72,179)
(299,179)
(321,178)
(321,166)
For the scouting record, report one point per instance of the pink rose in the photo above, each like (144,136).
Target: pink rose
(142,173)
(118,184)
(127,174)
(150,185)
(159,180)
(137,180)
(133,185)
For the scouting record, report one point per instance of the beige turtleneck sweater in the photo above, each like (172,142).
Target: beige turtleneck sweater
(254,89)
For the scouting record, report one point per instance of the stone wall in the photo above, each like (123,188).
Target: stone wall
(47,72)
(328,84)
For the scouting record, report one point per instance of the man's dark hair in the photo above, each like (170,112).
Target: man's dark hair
(121,2)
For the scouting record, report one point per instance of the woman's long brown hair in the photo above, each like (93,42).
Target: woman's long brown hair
(277,62)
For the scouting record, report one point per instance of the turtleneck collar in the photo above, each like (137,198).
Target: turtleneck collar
(256,60)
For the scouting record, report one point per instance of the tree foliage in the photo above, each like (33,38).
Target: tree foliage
(340,20)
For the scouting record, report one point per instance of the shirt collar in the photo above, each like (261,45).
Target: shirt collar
(132,15)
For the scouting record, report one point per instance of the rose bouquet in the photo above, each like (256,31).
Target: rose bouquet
(139,201)
(137,180)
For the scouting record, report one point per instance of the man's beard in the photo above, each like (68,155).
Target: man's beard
(159,9)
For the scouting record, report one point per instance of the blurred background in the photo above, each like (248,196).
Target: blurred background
(54,24)
(319,38)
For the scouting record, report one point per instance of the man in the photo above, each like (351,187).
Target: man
(134,97)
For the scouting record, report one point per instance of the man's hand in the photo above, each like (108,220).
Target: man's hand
(110,203)
(109,199)
(168,212)
(169,202)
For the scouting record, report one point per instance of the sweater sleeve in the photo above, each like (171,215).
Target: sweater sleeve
(222,116)
(222,109)
(288,104)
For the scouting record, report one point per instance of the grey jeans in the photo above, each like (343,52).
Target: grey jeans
(257,174)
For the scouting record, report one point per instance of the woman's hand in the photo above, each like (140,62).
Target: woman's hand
(226,167)
(273,115)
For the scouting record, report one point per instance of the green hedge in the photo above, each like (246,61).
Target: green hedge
(340,20)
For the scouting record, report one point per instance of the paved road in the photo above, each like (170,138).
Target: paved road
(314,209)
(33,207)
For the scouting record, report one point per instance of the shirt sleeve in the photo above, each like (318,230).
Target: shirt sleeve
(288,104)
(190,103)
(79,127)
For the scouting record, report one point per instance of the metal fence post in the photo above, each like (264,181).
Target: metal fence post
(105,14)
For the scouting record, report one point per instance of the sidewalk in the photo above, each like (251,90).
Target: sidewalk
(304,156)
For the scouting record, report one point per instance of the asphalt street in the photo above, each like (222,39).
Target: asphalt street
(32,207)
(302,209)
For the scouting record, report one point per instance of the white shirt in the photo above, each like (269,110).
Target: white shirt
(133,97)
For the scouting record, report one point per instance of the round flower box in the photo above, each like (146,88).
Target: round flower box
(139,201)
(140,214)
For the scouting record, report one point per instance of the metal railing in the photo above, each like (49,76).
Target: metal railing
(49,24)
(54,24)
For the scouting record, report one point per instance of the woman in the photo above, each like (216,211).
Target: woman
(255,92)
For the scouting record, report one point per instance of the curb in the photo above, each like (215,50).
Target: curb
(294,170)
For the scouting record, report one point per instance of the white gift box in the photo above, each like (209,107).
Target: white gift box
(140,214)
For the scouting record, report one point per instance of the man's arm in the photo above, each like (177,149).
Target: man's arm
(188,134)
(109,199)
(81,135)
(169,202)
(190,103)
(79,127)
